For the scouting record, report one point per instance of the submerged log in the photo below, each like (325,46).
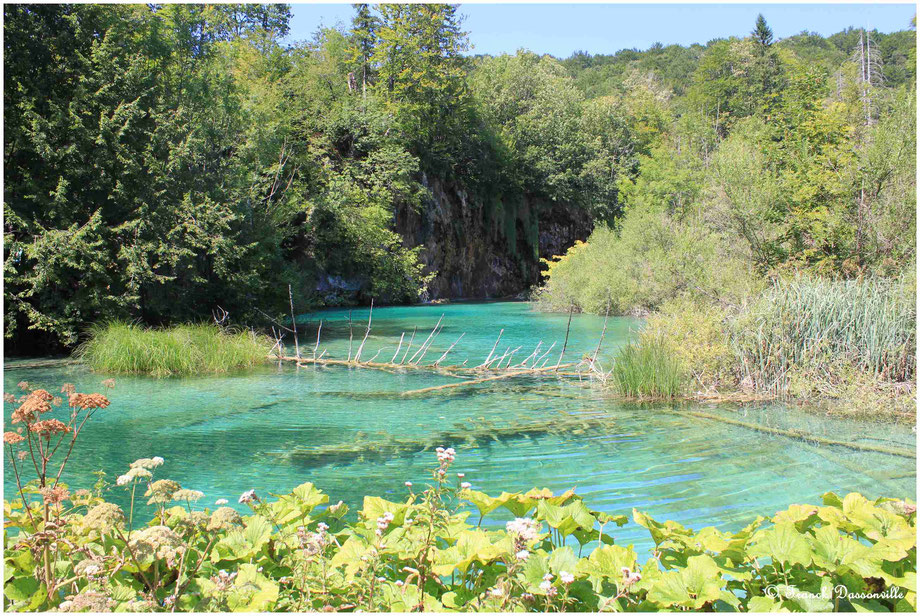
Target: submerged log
(470,434)
(801,435)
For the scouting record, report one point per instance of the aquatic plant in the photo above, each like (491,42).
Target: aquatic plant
(808,323)
(648,369)
(120,348)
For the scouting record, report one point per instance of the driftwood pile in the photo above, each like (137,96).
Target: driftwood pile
(497,366)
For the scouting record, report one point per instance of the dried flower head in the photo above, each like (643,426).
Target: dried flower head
(88,601)
(23,385)
(11,438)
(88,567)
(147,463)
(160,540)
(55,495)
(161,491)
(104,517)
(108,383)
(224,518)
(9,398)
(192,496)
(22,454)
(68,388)
(88,401)
(33,405)
(49,427)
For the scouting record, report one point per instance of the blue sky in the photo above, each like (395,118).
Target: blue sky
(560,29)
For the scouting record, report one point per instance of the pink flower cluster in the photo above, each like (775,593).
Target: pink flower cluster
(630,577)
(383,522)
(527,529)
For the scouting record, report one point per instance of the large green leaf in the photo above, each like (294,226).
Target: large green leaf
(783,543)
(252,591)
(566,518)
(833,550)
(257,532)
(693,587)
(472,546)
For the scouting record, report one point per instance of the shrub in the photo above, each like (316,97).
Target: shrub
(651,258)
(696,332)
(120,348)
(649,369)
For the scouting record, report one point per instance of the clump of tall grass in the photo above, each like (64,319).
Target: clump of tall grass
(184,349)
(648,369)
(809,323)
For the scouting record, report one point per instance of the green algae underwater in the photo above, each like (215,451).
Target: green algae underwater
(350,432)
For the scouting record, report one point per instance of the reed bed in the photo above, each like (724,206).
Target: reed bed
(123,348)
(814,323)
(648,370)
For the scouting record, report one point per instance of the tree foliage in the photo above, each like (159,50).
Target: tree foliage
(161,161)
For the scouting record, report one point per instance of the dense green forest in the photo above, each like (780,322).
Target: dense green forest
(163,161)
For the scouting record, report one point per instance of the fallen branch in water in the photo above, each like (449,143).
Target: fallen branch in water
(507,375)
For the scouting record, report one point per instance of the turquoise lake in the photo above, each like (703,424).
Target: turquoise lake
(227,434)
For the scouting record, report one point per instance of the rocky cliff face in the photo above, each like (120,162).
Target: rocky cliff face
(487,248)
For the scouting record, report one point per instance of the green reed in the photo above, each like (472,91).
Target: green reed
(648,369)
(119,347)
(815,324)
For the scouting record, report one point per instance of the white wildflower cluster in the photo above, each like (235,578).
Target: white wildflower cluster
(522,555)
(566,578)
(526,529)
(134,473)
(630,577)
(466,485)
(221,501)
(547,585)
(148,463)
(408,484)
(192,496)
(248,497)
(497,593)
(383,522)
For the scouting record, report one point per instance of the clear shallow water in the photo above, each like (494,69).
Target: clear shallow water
(226,434)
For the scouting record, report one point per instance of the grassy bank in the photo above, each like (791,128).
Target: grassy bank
(847,345)
(183,349)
